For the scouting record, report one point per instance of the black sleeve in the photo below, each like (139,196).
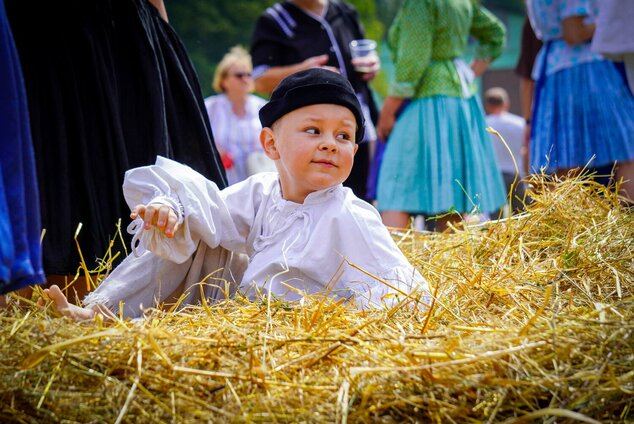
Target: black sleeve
(352,16)
(267,43)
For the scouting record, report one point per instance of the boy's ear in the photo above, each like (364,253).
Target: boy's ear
(356,147)
(269,143)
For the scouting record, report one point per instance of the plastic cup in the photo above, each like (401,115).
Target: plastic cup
(360,49)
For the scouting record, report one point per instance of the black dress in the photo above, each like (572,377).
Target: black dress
(109,86)
(285,35)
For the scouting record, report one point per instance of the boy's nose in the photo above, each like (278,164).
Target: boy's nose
(328,143)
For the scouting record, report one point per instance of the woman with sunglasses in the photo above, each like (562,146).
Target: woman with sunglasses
(233,114)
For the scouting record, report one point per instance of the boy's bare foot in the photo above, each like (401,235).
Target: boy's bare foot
(67,309)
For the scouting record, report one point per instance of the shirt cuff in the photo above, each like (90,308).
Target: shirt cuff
(489,52)
(574,9)
(401,89)
(259,70)
(172,202)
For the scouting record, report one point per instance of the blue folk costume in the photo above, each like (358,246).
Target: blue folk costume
(20,253)
(439,156)
(583,109)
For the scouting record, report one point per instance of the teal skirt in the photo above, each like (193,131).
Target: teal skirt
(440,158)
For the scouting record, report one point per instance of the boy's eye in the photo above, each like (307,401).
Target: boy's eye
(344,135)
(312,130)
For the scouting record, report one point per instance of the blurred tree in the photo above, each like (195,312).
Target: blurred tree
(368,13)
(210,28)
(515,6)
(387,11)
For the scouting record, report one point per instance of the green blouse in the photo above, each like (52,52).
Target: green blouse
(427,35)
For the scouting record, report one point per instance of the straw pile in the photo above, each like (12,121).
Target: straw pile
(532,321)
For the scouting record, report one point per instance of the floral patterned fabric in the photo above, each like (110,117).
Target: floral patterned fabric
(546,18)
(424,49)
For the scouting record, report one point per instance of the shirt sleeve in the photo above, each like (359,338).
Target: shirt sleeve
(205,216)
(376,270)
(568,8)
(411,41)
(220,121)
(490,33)
(354,18)
(210,107)
(266,45)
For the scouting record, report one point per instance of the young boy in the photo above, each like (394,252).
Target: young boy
(290,233)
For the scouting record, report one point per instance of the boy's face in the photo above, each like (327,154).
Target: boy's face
(313,148)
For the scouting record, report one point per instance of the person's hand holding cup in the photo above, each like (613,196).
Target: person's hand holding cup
(364,58)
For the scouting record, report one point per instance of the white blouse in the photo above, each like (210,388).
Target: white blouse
(237,135)
(333,240)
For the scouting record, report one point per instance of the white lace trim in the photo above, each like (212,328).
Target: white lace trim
(136,227)
(94,298)
(301,237)
(172,202)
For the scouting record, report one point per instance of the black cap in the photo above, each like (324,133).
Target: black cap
(310,87)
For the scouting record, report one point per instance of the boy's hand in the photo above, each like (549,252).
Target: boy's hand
(159,215)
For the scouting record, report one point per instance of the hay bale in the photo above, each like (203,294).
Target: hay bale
(532,319)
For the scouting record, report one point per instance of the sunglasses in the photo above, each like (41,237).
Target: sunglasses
(242,75)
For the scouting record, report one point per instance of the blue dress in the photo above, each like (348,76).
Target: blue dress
(584,112)
(20,253)
(439,156)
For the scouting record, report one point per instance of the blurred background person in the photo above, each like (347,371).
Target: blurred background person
(582,112)
(529,47)
(439,157)
(233,114)
(614,36)
(294,35)
(511,128)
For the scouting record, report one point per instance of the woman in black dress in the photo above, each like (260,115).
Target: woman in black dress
(109,86)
